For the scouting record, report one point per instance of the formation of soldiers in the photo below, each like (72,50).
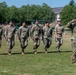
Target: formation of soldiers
(36,32)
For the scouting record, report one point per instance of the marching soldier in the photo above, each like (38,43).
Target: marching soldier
(47,36)
(35,34)
(10,36)
(1,32)
(23,34)
(72,26)
(59,30)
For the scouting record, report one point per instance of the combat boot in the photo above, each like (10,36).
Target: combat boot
(23,52)
(58,50)
(46,52)
(35,52)
(9,53)
(73,59)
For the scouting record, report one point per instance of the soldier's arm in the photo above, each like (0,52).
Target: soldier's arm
(15,30)
(43,33)
(1,31)
(55,31)
(70,23)
(63,32)
(40,31)
(51,32)
(32,30)
(19,33)
(6,33)
(28,34)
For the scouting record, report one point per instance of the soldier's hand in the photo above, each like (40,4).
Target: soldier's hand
(6,39)
(19,39)
(32,38)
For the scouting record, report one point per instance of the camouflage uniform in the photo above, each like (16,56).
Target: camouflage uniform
(58,36)
(35,34)
(73,39)
(23,34)
(10,37)
(1,31)
(47,37)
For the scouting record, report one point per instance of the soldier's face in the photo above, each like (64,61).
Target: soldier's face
(37,23)
(24,24)
(47,24)
(11,23)
(59,23)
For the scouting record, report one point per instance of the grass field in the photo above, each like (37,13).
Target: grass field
(41,64)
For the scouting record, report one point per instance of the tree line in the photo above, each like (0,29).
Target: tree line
(35,12)
(25,12)
(68,13)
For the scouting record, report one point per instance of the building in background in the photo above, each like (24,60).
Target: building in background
(57,11)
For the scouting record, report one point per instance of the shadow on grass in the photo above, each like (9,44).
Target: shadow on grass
(3,53)
(60,52)
(55,52)
(66,51)
(37,52)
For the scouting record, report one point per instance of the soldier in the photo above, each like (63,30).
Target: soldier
(10,36)
(58,35)
(72,26)
(1,31)
(47,36)
(35,34)
(23,34)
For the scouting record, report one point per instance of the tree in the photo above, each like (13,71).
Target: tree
(72,2)
(68,13)
(46,13)
(3,10)
(12,14)
(26,12)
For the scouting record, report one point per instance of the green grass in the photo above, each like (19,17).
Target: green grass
(41,64)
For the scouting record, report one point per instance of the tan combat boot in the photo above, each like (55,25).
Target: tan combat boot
(46,52)
(35,52)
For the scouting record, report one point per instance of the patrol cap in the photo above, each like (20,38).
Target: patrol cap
(36,21)
(47,22)
(23,22)
(59,20)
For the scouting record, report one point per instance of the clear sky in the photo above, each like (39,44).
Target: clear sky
(52,3)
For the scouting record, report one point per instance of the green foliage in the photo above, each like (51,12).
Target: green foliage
(3,10)
(72,2)
(28,12)
(68,13)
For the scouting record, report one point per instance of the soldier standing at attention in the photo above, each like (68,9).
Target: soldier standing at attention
(1,32)
(72,26)
(47,36)
(10,36)
(59,30)
(35,34)
(23,34)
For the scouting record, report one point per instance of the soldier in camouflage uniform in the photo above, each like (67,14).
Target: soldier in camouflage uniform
(58,35)
(23,34)
(10,36)
(72,26)
(35,34)
(1,31)
(47,36)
